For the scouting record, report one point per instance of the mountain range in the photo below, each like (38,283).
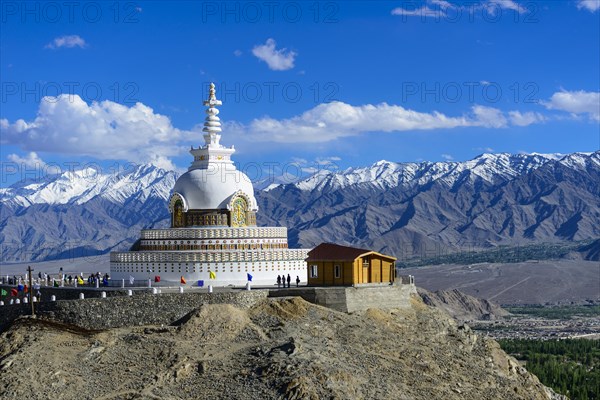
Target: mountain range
(404,209)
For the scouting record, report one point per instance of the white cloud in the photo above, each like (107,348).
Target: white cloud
(590,5)
(441,3)
(106,130)
(277,60)
(318,164)
(330,162)
(490,117)
(424,11)
(67,41)
(31,160)
(331,121)
(524,119)
(577,102)
(237,53)
(504,5)
(447,157)
(446,9)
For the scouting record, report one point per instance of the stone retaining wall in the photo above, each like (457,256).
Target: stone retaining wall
(144,308)
(350,299)
(119,311)
(385,298)
(11,312)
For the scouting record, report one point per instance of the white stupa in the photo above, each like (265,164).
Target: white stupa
(213,236)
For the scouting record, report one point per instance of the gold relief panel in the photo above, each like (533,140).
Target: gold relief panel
(178,214)
(238,213)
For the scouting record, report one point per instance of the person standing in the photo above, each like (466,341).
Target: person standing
(289,280)
(297,281)
(278,281)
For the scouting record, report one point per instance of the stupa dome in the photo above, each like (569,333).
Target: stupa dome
(212,189)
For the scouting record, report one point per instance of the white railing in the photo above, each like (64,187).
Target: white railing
(215,233)
(207,256)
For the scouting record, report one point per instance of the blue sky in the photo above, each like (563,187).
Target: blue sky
(316,84)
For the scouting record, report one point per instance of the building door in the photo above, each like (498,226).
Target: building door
(366,270)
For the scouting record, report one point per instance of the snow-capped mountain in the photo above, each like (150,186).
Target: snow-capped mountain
(401,208)
(491,168)
(427,209)
(80,186)
(81,212)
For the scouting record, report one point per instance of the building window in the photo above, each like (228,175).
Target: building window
(337,271)
(314,269)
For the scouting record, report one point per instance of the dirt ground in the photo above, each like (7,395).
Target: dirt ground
(278,349)
(560,281)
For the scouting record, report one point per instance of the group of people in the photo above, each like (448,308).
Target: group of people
(47,280)
(281,279)
(93,278)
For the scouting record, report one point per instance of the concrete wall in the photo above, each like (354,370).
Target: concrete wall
(383,297)
(119,311)
(357,298)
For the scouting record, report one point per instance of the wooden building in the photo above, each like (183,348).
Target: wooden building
(334,265)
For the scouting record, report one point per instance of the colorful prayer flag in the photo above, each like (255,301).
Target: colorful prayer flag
(80,281)
(212,275)
(249,277)
(14,292)
(4,292)
(183,280)
(131,280)
(20,288)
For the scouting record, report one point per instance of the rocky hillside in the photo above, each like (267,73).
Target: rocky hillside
(81,213)
(589,252)
(277,349)
(431,209)
(404,209)
(462,306)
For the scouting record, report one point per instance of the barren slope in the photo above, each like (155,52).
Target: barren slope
(547,281)
(278,349)
(462,306)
